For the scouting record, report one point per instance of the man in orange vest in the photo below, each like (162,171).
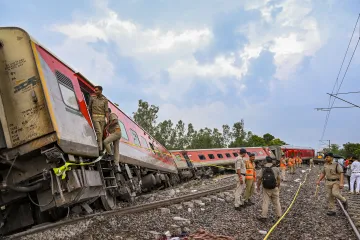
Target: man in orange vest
(250,179)
(283,167)
(300,162)
(291,164)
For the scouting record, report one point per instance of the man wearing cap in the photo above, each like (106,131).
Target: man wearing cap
(250,179)
(269,177)
(333,173)
(240,171)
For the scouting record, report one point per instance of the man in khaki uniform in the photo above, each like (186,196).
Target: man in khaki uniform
(270,188)
(334,182)
(250,179)
(240,170)
(98,109)
(311,162)
(114,130)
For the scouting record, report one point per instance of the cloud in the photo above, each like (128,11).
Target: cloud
(291,34)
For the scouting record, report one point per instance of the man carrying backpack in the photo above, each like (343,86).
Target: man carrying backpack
(269,177)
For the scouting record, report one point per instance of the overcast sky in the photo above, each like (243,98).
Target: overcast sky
(210,62)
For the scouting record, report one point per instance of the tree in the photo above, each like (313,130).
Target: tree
(146,116)
(351,149)
(268,138)
(180,141)
(163,133)
(217,139)
(226,135)
(276,142)
(178,137)
(255,141)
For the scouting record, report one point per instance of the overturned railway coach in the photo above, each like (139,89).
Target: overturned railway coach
(48,149)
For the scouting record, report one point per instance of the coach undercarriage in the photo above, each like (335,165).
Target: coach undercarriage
(32,191)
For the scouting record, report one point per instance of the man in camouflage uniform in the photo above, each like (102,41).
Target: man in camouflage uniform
(240,178)
(334,182)
(98,109)
(114,130)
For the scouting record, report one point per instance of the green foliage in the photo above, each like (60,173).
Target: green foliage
(181,137)
(348,149)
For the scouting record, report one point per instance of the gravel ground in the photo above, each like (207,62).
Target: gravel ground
(308,220)
(219,217)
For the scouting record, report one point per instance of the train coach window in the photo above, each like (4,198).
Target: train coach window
(211,156)
(67,91)
(123,131)
(143,142)
(220,155)
(136,138)
(202,157)
(235,154)
(228,155)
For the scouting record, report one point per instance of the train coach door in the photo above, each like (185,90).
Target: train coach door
(187,159)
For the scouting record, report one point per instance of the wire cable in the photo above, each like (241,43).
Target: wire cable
(337,78)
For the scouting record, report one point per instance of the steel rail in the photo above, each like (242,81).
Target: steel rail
(124,211)
(356,231)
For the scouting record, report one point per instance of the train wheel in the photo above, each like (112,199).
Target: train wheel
(108,201)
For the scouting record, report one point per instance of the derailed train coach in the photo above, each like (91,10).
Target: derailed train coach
(49,158)
(210,161)
(217,160)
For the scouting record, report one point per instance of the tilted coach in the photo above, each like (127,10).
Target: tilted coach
(48,150)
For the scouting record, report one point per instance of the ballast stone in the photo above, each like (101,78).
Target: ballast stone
(198,202)
(165,211)
(188,204)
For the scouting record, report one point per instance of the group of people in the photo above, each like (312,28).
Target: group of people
(269,178)
(104,121)
(352,171)
(292,163)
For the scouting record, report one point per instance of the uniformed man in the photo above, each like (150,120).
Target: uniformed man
(114,130)
(250,179)
(240,170)
(333,173)
(291,163)
(98,109)
(311,162)
(269,177)
(283,167)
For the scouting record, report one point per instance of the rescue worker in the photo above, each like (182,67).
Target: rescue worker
(240,170)
(269,177)
(333,173)
(283,167)
(114,130)
(291,163)
(250,179)
(311,162)
(98,109)
(300,162)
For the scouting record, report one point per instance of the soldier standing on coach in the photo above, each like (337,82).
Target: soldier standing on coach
(98,109)
(240,170)
(114,130)
(250,179)
(333,173)
(269,177)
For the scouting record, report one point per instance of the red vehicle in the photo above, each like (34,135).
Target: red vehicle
(213,160)
(305,153)
(48,148)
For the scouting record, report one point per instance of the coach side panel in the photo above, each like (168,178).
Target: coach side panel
(24,114)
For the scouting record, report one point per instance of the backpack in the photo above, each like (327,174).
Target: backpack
(268,178)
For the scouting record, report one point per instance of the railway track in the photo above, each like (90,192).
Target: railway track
(124,211)
(353,212)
